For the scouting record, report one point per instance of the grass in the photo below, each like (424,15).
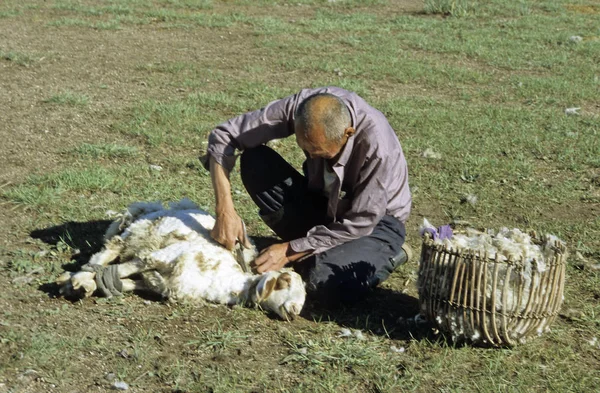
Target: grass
(217,339)
(77,22)
(69,98)
(19,58)
(105,185)
(448,7)
(9,14)
(483,84)
(109,150)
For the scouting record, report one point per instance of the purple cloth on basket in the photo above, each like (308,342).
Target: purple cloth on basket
(443,232)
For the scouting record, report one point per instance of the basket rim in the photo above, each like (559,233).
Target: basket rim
(558,247)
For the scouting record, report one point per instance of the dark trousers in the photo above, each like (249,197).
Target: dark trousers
(345,272)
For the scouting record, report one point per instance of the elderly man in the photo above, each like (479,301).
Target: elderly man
(342,222)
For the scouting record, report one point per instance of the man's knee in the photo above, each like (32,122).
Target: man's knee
(257,155)
(348,272)
(254,161)
(262,169)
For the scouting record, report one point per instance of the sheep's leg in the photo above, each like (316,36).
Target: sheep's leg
(130,285)
(152,280)
(111,251)
(141,265)
(129,268)
(107,280)
(155,282)
(83,283)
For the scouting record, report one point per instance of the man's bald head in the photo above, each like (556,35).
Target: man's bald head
(325,112)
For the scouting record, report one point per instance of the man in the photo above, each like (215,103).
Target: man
(342,222)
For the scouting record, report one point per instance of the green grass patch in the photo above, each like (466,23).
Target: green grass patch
(111,187)
(9,14)
(218,339)
(109,150)
(112,24)
(19,58)
(33,193)
(320,350)
(115,9)
(188,121)
(69,98)
(447,7)
(190,4)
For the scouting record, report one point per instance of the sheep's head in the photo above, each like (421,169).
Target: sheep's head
(281,292)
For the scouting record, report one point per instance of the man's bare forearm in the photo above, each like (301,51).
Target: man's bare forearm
(228,225)
(293,256)
(222,188)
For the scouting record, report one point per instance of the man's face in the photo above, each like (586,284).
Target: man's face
(316,144)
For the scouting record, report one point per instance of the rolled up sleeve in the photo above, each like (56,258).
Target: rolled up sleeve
(252,129)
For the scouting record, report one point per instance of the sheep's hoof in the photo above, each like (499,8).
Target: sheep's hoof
(78,285)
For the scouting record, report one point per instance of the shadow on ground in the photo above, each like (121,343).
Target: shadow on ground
(382,312)
(84,237)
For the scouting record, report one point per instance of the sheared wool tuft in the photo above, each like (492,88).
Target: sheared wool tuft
(502,244)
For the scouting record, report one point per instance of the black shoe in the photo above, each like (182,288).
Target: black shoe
(402,257)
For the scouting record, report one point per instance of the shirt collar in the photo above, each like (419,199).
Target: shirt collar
(346,153)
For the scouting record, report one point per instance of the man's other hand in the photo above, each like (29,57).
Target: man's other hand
(272,258)
(228,229)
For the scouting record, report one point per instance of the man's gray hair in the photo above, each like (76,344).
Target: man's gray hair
(333,114)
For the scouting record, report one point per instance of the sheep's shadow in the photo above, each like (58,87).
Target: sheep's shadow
(86,238)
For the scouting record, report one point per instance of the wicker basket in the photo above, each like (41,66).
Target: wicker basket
(487,301)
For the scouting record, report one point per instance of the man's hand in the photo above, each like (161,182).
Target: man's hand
(272,258)
(276,257)
(228,229)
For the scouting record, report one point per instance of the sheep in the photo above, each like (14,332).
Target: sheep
(170,252)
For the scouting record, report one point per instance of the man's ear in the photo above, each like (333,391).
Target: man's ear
(349,131)
(265,291)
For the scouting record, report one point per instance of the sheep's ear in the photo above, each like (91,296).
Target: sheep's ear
(266,290)
(283,281)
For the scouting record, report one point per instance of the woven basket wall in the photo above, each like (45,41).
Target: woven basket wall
(485,301)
